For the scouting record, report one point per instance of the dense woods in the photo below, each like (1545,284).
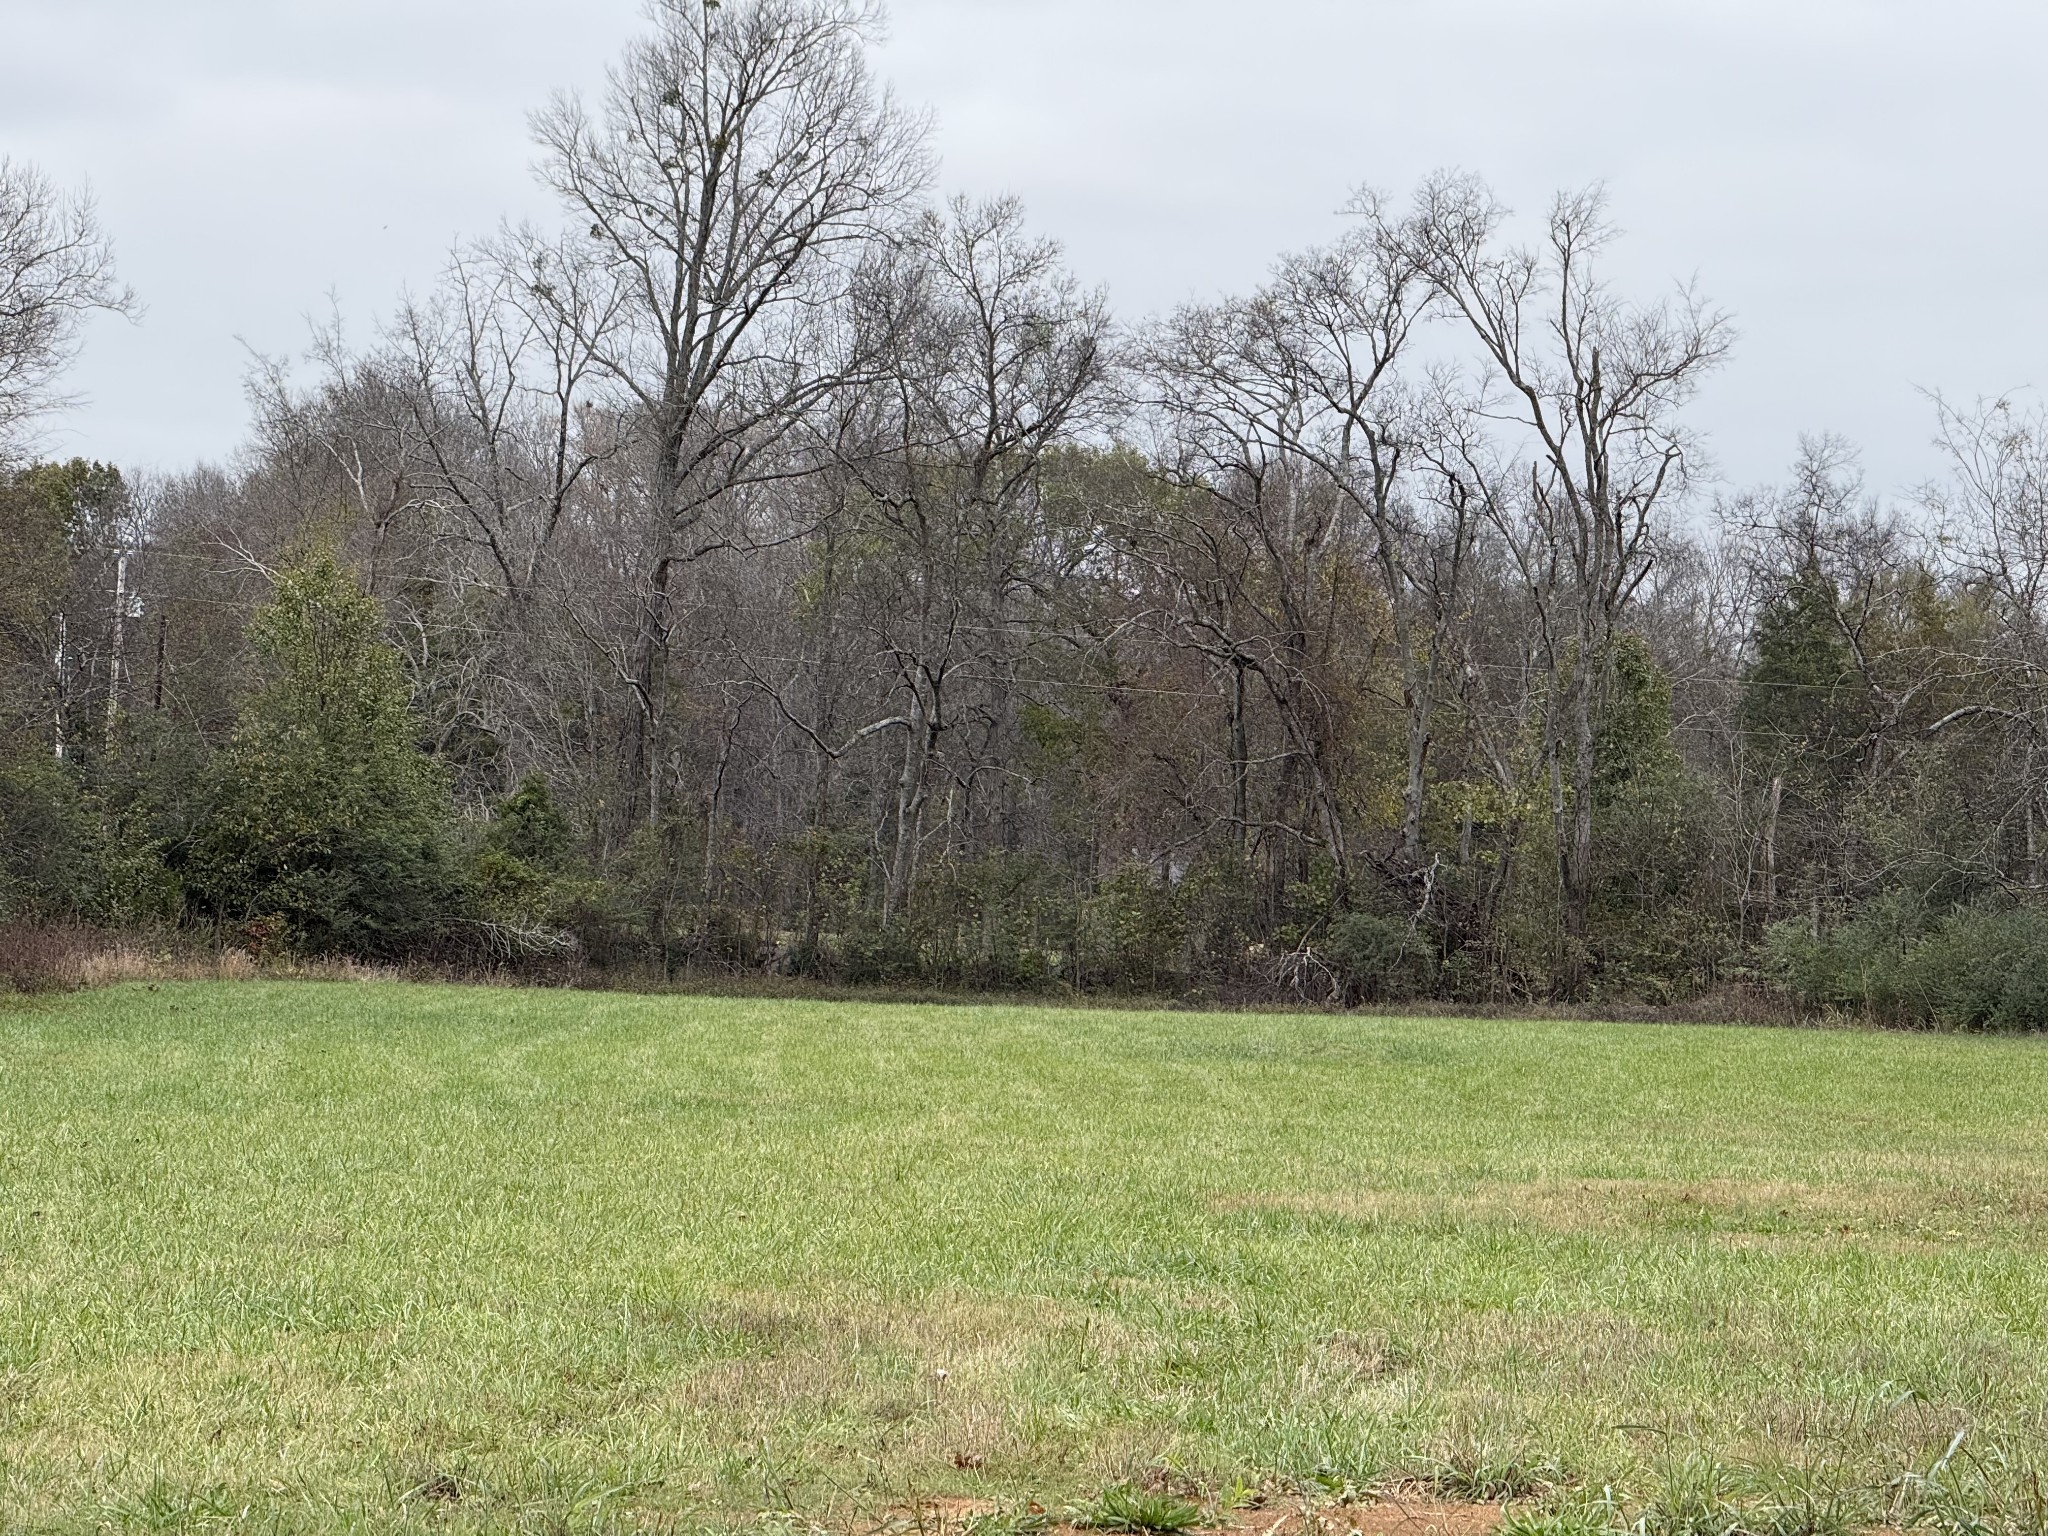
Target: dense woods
(777,567)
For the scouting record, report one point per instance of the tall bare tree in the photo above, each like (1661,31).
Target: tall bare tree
(56,270)
(1595,385)
(1285,416)
(1405,452)
(999,356)
(741,160)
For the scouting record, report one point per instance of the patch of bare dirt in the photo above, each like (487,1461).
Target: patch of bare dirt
(1391,1514)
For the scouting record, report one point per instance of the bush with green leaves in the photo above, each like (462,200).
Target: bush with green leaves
(327,825)
(1382,959)
(47,841)
(1134,933)
(540,897)
(1974,968)
(524,855)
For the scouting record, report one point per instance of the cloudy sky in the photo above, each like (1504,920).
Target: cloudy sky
(1859,181)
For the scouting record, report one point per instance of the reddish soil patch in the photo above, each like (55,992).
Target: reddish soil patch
(943,1514)
(1391,1514)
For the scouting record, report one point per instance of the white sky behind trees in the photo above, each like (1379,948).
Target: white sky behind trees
(1860,182)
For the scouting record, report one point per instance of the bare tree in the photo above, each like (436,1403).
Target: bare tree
(1995,503)
(1000,356)
(1595,385)
(1991,521)
(56,270)
(1408,458)
(498,372)
(1284,417)
(741,160)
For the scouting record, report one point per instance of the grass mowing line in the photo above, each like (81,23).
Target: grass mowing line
(318,1257)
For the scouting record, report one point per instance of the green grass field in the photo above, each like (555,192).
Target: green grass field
(308,1257)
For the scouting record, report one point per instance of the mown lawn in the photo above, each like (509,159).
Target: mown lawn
(320,1256)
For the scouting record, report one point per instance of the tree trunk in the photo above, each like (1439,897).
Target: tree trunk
(911,794)
(1579,856)
(1417,698)
(716,803)
(163,635)
(1775,802)
(1240,762)
(647,687)
(63,746)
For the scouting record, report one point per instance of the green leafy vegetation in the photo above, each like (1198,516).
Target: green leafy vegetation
(313,1257)
(1145,1512)
(1977,968)
(329,830)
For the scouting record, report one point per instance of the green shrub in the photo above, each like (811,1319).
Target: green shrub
(328,826)
(1134,933)
(46,842)
(1382,959)
(525,880)
(529,828)
(869,955)
(1975,968)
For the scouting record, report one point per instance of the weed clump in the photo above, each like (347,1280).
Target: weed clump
(1124,1507)
(1481,1478)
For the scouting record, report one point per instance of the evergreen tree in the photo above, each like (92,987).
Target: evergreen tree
(329,827)
(1798,694)
(1805,717)
(523,865)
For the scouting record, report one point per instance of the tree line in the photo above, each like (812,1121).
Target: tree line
(772,567)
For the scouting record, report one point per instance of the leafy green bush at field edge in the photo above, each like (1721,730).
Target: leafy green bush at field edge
(1975,968)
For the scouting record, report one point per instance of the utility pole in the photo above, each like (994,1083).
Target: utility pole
(117,649)
(63,638)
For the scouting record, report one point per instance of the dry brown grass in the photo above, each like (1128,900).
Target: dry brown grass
(73,957)
(70,958)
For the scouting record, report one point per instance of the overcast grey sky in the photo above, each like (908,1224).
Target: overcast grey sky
(1859,181)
